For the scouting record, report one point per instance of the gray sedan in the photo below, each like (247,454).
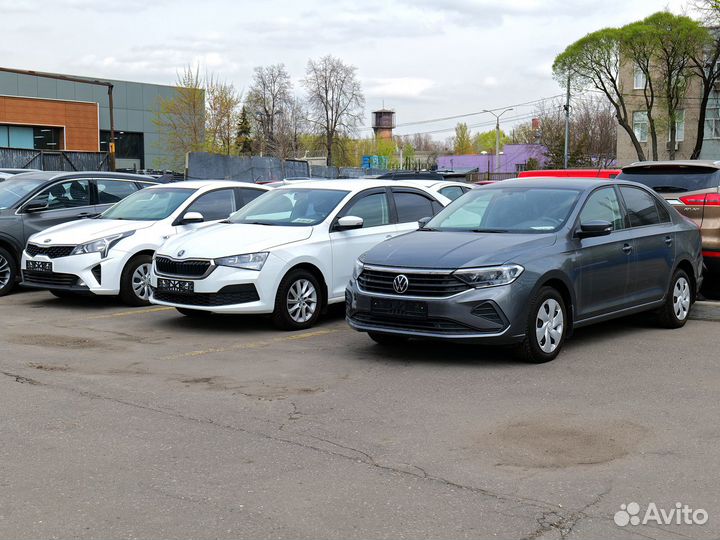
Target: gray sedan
(524,262)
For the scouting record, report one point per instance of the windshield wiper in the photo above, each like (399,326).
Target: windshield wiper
(669,189)
(489,230)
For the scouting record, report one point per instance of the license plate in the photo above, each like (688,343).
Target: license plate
(399,308)
(39,266)
(175,286)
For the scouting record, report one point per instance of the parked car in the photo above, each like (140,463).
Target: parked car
(446,188)
(288,253)
(112,254)
(10,170)
(693,188)
(525,261)
(32,202)
(570,173)
(411,175)
(4,176)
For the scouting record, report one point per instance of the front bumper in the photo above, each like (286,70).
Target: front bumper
(225,289)
(492,315)
(78,273)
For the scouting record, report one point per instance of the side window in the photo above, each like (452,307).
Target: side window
(452,192)
(664,213)
(603,205)
(641,207)
(218,204)
(112,191)
(412,206)
(372,208)
(71,194)
(245,195)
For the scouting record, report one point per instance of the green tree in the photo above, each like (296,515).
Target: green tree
(243,134)
(593,62)
(462,143)
(485,141)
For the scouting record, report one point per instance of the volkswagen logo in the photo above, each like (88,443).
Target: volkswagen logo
(400,283)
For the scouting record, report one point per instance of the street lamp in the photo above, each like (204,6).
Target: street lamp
(497,135)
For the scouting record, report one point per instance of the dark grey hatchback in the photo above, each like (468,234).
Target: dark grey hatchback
(525,261)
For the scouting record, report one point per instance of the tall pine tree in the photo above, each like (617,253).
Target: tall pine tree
(243,140)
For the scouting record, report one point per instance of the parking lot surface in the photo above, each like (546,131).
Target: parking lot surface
(124,423)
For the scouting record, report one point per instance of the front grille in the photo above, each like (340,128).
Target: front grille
(187,268)
(54,252)
(232,294)
(419,284)
(49,278)
(434,325)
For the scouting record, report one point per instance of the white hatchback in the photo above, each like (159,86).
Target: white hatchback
(290,252)
(111,254)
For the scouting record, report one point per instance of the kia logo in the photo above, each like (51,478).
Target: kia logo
(400,284)
(181,253)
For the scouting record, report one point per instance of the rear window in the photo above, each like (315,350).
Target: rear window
(672,179)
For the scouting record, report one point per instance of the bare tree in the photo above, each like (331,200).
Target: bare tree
(269,97)
(181,120)
(222,115)
(335,99)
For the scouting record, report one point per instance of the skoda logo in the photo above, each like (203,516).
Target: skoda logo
(48,240)
(181,253)
(400,283)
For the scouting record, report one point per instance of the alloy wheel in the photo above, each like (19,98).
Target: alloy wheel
(302,301)
(141,281)
(681,298)
(5,272)
(549,325)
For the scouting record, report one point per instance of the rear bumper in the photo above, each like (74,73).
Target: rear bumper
(711,261)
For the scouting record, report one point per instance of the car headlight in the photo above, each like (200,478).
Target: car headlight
(489,276)
(358,268)
(101,245)
(247,261)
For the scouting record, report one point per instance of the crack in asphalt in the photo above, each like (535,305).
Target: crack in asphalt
(362,457)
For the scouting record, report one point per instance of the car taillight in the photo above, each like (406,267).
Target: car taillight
(709,199)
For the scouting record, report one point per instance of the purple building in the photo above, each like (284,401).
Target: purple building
(512,159)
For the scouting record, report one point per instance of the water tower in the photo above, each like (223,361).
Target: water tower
(383,123)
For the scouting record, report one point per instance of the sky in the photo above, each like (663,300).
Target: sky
(426,59)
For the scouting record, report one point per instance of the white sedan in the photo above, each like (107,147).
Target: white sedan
(290,252)
(111,254)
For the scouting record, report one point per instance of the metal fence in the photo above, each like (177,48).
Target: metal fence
(53,160)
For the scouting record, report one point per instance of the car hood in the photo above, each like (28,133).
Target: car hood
(86,230)
(226,239)
(436,249)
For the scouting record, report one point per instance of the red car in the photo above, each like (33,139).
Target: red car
(571,173)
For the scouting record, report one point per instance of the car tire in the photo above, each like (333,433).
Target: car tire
(135,281)
(64,295)
(193,313)
(298,302)
(545,333)
(388,340)
(675,311)
(8,272)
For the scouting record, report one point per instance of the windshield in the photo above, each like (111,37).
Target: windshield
(13,190)
(295,207)
(149,204)
(673,179)
(507,210)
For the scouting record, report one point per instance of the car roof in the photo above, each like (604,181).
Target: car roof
(352,184)
(202,184)
(676,163)
(554,182)
(59,175)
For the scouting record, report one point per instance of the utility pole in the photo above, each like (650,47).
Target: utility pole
(497,136)
(567,126)
(111,146)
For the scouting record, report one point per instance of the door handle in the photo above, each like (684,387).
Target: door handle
(627,248)
(668,241)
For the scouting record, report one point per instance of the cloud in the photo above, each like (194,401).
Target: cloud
(397,87)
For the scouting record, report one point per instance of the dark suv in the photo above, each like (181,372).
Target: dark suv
(31,202)
(692,187)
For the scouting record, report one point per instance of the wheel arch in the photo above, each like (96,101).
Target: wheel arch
(561,283)
(687,266)
(318,274)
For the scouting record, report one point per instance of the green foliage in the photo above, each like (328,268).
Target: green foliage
(485,141)
(243,139)
(462,143)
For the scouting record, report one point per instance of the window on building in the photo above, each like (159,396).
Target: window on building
(639,79)
(679,126)
(640,125)
(130,146)
(712,123)
(47,138)
(519,167)
(31,137)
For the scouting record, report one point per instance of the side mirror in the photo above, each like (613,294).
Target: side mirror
(192,217)
(35,206)
(596,227)
(423,221)
(347,223)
